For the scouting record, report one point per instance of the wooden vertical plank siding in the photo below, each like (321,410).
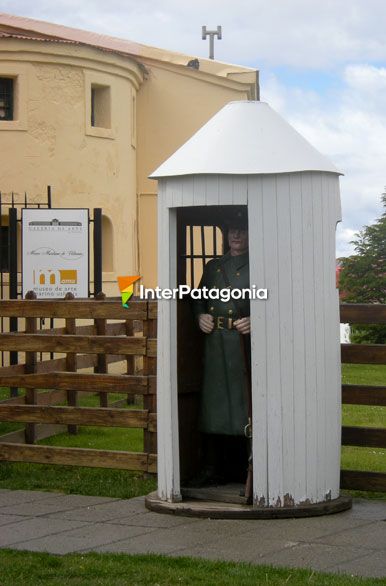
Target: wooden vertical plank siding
(212,190)
(320,320)
(225,190)
(101,367)
(274,390)
(299,324)
(286,328)
(30,368)
(298,341)
(239,189)
(258,347)
(295,345)
(199,193)
(310,341)
(332,342)
(71,365)
(187,191)
(176,193)
(167,400)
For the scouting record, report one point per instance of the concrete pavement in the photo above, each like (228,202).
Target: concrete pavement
(352,542)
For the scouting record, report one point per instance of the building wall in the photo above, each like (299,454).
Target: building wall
(155,107)
(172,105)
(53,143)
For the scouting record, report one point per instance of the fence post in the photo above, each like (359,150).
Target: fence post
(97,241)
(101,367)
(72,396)
(30,368)
(130,360)
(150,368)
(13,325)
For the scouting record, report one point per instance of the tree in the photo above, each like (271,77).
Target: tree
(363,275)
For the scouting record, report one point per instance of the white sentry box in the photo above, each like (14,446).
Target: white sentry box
(248,155)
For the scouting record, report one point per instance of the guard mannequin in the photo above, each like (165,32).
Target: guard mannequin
(224,396)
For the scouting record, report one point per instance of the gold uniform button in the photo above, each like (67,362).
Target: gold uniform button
(230,312)
(237,274)
(211,309)
(218,270)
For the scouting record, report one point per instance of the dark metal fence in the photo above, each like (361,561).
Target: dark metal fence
(10,287)
(11,205)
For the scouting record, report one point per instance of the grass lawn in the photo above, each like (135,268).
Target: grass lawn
(19,567)
(123,484)
(34,569)
(77,479)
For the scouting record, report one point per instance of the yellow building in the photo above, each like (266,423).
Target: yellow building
(93,116)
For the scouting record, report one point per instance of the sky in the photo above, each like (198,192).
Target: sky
(322,66)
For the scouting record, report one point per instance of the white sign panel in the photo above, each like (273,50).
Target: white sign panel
(55,252)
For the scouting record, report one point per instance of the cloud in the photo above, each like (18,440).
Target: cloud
(342,43)
(344,237)
(350,128)
(299,33)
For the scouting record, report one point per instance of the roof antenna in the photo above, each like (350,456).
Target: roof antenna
(211,35)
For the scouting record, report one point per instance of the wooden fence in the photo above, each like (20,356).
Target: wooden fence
(92,346)
(369,437)
(131,335)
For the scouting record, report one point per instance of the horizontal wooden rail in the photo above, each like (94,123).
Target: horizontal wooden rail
(76,308)
(362,480)
(369,437)
(57,397)
(134,418)
(361,395)
(112,329)
(83,361)
(361,313)
(105,383)
(363,353)
(44,398)
(42,431)
(78,457)
(68,343)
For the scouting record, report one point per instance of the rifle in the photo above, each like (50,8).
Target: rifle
(248,427)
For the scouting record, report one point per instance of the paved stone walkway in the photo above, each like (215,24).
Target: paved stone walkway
(352,542)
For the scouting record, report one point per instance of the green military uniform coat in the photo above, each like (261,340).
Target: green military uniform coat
(224,404)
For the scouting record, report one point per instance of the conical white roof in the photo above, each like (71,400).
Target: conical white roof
(244,138)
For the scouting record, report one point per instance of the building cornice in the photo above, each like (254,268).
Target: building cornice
(75,55)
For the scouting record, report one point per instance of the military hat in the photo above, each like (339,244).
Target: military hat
(237,219)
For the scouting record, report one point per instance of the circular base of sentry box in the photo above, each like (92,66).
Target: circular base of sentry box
(225,503)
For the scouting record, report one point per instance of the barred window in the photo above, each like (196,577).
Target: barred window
(203,243)
(6,98)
